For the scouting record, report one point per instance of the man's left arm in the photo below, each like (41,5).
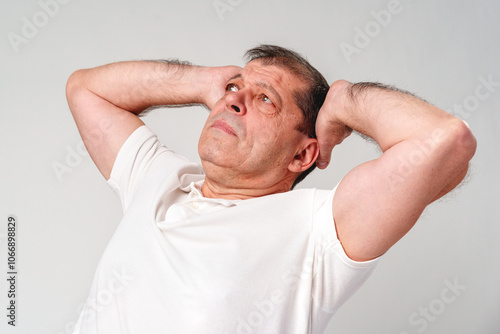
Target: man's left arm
(426,153)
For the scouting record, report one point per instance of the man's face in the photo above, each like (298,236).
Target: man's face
(252,131)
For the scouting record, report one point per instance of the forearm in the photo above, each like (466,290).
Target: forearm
(387,115)
(137,85)
(419,135)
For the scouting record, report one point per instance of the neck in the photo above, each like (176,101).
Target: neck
(213,189)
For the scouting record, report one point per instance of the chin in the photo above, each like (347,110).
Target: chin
(217,152)
(211,158)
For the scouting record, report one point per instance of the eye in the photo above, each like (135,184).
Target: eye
(266,99)
(231,87)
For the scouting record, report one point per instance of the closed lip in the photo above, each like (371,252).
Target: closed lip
(222,125)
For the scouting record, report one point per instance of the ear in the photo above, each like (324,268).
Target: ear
(305,157)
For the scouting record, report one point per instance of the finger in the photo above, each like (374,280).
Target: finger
(325,153)
(326,144)
(330,136)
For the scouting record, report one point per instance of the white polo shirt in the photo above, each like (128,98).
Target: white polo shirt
(182,263)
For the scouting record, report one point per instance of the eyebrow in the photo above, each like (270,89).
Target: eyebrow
(272,90)
(235,77)
(263,85)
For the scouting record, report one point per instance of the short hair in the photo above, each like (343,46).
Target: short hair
(309,100)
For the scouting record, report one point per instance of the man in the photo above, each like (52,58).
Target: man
(234,250)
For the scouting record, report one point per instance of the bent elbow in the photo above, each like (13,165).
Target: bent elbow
(463,140)
(74,83)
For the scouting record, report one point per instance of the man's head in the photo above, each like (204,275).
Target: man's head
(309,100)
(261,133)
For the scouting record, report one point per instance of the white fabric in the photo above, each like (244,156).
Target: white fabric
(182,263)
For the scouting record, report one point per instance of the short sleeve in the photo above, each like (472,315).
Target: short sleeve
(141,153)
(336,276)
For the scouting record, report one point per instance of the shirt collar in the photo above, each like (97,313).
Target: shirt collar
(195,194)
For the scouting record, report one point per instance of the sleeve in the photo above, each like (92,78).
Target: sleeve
(336,277)
(140,154)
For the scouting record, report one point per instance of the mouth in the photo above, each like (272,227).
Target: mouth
(222,125)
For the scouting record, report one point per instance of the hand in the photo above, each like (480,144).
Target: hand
(216,80)
(330,130)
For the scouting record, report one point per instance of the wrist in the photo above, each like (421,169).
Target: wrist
(204,82)
(338,101)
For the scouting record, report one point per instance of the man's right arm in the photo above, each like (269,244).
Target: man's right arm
(105,101)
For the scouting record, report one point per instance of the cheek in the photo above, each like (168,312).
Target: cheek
(274,133)
(272,148)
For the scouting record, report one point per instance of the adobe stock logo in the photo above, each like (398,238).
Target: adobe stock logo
(222,6)
(74,157)
(106,294)
(418,155)
(471,103)
(426,315)
(363,37)
(30,27)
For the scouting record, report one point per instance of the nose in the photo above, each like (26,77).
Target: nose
(236,102)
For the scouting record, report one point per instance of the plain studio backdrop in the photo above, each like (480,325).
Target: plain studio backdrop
(442,277)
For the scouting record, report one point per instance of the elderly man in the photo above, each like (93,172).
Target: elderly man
(230,248)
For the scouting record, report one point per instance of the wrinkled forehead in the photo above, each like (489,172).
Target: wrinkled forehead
(276,72)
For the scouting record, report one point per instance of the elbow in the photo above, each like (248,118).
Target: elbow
(74,83)
(462,141)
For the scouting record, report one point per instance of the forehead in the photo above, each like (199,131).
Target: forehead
(277,76)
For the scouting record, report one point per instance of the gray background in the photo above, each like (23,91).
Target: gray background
(440,50)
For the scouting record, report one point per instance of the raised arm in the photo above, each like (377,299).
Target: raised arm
(426,152)
(106,100)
